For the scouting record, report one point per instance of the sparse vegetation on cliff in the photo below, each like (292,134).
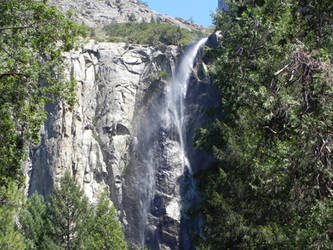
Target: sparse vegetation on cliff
(146,33)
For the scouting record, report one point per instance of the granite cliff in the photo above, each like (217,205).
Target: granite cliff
(113,140)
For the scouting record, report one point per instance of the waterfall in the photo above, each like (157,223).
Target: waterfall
(159,160)
(176,94)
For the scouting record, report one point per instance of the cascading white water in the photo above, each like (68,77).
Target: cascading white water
(176,94)
(160,158)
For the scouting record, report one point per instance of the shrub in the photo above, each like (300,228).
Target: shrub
(150,33)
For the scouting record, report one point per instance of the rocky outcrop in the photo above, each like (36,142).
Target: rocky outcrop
(101,12)
(214,40)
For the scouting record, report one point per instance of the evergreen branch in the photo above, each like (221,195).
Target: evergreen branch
(12,74)
(16,28)
(274,132)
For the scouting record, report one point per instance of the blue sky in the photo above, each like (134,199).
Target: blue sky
(198,10)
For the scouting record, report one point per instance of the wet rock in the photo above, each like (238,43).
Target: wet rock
(214,40)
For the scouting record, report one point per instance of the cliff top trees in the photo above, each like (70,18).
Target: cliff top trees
(150,33)
(271,187)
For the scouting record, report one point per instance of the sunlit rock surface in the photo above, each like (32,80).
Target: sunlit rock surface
(93,140)
(100,12)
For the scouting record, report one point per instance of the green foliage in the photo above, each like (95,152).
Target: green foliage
(67,210)
(150,33)
(32,220)
(104,229)
(10,201)
(161,75)
(32,37)
(271,185)
(67,221)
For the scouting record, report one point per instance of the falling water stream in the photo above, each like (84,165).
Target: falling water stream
(176,94)
(160,157)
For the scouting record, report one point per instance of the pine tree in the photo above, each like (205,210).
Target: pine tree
(104,229)
(67,221)
(67,211)
(32,221)
(11,198)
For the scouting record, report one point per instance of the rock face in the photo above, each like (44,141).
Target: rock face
(105,142)
(93,140)
(214,40)
(114,140)
(101,12)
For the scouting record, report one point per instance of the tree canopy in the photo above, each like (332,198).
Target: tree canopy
(153,33)
(103,229)
(67,210)
(69,221)
(271,185)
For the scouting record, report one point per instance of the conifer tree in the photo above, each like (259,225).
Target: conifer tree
(67,221)
(32,221)
(67,211)
(104,230)
(271,186)
(10,237)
